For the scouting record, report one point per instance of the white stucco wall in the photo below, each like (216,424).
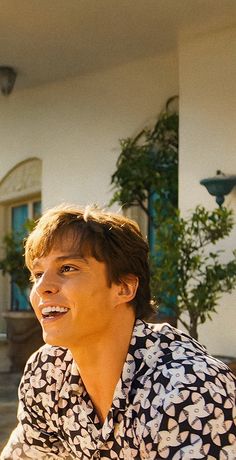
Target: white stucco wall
(74,126)
(207,66)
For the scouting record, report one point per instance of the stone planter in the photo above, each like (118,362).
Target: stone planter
(24,336)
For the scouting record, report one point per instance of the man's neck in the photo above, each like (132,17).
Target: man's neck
(100,364)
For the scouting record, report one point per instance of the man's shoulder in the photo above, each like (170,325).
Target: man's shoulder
(176,350)
(170,337)
(180,371)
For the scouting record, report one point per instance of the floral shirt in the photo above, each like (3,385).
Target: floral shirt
(173,401)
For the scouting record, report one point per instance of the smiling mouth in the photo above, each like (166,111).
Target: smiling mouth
(54,312)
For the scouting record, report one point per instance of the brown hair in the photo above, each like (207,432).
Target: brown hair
(108,237)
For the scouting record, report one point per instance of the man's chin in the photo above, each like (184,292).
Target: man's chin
(52,340)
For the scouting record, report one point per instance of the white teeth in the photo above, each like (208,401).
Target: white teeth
(48,310)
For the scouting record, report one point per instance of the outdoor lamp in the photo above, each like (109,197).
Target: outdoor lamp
(7,79)
(219,185)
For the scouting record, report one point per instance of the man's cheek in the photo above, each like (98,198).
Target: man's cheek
(33,299)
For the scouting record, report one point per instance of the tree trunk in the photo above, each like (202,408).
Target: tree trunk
(193,328)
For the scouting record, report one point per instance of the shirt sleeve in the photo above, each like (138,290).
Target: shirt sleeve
(34,437)
(196,420)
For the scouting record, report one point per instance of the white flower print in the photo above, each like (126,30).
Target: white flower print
(217,426)
(129,369)
(202,369)
(229,385)
(30,453)
(169,388)
(227,380)
(158,388)
(85,442)
(229,452)
(147,452)
(62,403)
(174,397)
(144,400)
(177,375)
(128,453)
(178,352)
(113,454)
(37,380)
(158,400)
(53,372)
(83,419)
(169,438)
(194,412)
(31,435)
(216,390)
(72,425)
(229,404)
(143,429)
(193,451)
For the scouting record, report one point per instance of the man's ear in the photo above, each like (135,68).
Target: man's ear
(127,288)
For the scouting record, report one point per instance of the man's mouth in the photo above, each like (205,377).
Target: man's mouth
(54,311)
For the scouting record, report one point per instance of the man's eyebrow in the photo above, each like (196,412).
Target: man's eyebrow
(73,256)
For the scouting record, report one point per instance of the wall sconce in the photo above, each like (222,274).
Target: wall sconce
(219,186)
(7,79)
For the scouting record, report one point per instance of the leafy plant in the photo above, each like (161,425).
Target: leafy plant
(148,163)
(147,175)
(13,261)
(186,265)
(187,275)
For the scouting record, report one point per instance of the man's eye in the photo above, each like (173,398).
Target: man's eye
(35,276)
(67,268)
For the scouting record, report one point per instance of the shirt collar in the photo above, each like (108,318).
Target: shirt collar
(139,356)
(72,380)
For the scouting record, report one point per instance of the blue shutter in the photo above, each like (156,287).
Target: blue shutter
(19,300)
(168,304)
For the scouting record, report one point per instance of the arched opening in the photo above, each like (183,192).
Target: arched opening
(20,199)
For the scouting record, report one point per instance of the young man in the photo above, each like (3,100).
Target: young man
(107,384)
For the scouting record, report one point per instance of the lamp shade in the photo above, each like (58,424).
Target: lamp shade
(219,185)
(7,79)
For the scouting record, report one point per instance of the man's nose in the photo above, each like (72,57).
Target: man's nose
(47,284)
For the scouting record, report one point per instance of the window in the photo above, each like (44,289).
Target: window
(20,213)
(20,194)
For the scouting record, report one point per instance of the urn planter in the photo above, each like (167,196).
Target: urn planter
(24,336)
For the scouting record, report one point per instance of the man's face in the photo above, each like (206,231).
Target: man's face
(71,297)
